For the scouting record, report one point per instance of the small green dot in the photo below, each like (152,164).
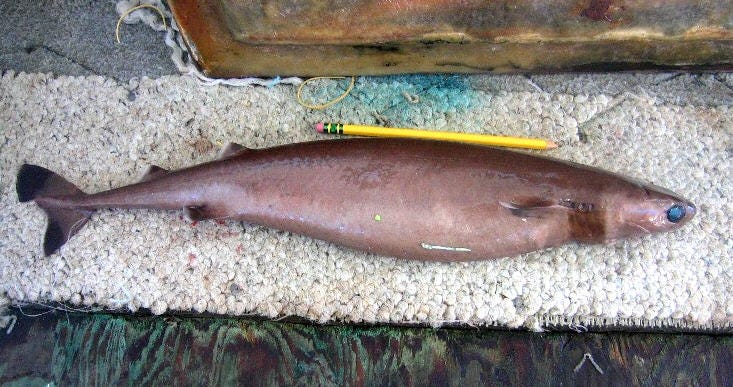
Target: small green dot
(378,217)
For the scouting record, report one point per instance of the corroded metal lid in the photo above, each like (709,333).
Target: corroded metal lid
(341,37)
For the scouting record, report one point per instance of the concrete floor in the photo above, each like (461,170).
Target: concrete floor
(77,37)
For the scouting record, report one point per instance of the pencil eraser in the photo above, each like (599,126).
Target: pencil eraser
(319,127)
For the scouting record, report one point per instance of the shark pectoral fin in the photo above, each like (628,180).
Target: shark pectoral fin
(531,209)
(197,213)
(153,173)
(232,149)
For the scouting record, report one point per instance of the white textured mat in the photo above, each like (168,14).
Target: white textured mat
(675,131)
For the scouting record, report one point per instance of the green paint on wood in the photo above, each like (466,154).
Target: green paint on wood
(110,350)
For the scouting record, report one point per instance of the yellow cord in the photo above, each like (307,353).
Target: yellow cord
(129,11)
(327,104)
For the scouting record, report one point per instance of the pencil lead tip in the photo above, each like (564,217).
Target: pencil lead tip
(551,145)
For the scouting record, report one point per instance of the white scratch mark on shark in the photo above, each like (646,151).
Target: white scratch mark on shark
(427,246)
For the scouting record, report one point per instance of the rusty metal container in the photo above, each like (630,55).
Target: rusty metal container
(234,38)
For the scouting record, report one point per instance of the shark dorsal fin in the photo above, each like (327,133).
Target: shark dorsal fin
(153,173)
(232,149)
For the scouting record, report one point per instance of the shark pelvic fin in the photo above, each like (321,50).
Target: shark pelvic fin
(198,213)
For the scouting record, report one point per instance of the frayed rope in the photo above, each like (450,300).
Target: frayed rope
(140,11)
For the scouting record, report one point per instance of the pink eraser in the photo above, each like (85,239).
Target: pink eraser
(319,127)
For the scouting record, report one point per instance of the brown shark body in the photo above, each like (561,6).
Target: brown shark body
(404,198)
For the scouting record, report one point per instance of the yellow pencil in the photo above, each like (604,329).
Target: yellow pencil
(481,139)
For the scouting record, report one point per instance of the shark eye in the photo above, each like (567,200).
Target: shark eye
(675,213)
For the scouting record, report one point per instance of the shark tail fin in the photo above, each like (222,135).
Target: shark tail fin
(36,182)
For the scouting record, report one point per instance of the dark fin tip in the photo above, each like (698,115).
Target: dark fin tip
(62,224)
(31,180)
(54,239)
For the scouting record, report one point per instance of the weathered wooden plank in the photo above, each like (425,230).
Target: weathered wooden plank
(100,349)
(372,37)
